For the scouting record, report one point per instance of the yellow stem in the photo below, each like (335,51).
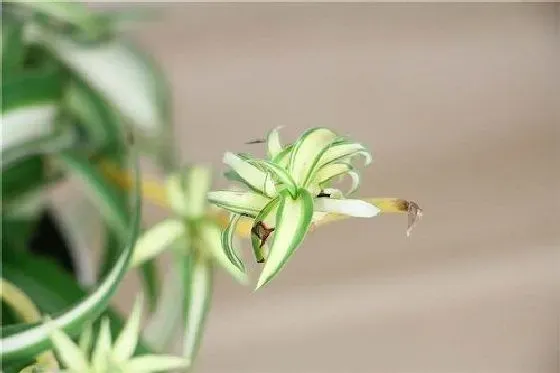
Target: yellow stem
(27,312)
(154,191)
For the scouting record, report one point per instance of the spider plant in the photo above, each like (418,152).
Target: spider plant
(81,103)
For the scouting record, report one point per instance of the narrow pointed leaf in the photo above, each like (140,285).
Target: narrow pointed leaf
(176,197)
(156,363)
(351,207)
(69,353)
(211,243)
(197,183)
(273,143)
(293,220)
(21,342)
(198,271)
(86,340)
(252,176)
(246,203)
(126,342)
(52,289)
(227,242)
(13,48)
(306,151)
(156,239)
(101,354)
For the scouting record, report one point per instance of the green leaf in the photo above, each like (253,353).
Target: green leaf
(156,239)
(343,151)
(34,88)
(306,151)
(198,277)
(73,13)
(27,176)
(280,173)
(27,340)
(102,348)
(210,243)
(293,220)
(266,216)
(12,46)
(29,111)
(100,123)
(273,143)
(283,158)
(175,192)
(111,202)
(120,75)
(245,203)
(330,171)
(255,178)
(227,242)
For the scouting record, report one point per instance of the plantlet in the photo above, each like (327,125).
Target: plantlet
(291,190)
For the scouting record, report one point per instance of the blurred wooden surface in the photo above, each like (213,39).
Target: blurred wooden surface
(459,104)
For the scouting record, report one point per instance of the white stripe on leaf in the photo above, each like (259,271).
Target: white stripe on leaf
(351,207)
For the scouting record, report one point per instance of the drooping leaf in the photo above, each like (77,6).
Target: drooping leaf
(227,242)
(20,341)
(29,110)
(293,220)
(247,203)
(351,207)
(343,151)
(210,242)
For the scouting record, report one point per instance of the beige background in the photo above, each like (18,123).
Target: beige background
(459,104)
